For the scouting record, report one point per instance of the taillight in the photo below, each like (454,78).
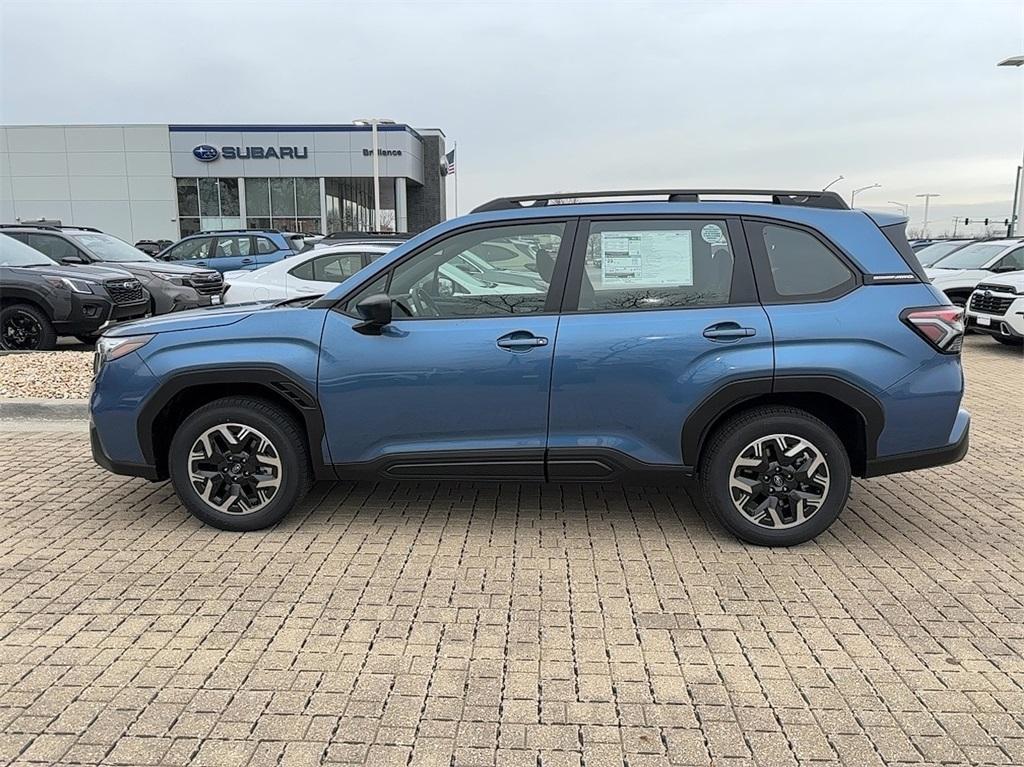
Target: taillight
(941,326)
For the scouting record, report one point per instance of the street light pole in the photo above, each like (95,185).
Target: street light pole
(1017,215)
(373,122)
(855,192)
(903,206)
(830,183)
(924,225)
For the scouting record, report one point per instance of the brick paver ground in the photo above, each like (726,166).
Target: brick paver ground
(464,624)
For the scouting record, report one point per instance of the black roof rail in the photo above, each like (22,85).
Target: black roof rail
(229,231)
(49,227)
(778,197)
(366,236)
(83,228)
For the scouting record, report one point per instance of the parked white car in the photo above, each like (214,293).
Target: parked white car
(310,273)
(997,308)
(958,274)
(318,270)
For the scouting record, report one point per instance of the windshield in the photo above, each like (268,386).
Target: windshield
(14,253)
(972,257)
(106,247)
(931,254)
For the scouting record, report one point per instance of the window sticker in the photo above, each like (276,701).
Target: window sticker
(647,259)
(713,235)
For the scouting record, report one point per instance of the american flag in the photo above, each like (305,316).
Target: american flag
(450,159)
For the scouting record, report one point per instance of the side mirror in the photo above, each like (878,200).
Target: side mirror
(73,260)
(376,313)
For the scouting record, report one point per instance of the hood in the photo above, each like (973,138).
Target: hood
(1013,280)
(960,277)
(145,268)
(193,319)
(90,272)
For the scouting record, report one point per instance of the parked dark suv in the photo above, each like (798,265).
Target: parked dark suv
(41,299)
(172,287)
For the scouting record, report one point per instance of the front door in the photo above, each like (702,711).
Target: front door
(459,382)
(659,314)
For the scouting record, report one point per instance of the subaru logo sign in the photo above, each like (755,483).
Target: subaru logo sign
(205,153)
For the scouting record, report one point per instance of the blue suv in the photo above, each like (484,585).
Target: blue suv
(233,249)
(773,346)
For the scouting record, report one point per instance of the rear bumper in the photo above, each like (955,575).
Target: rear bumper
(925,459)
(117,467)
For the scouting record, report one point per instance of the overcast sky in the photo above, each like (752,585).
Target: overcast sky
(569,95)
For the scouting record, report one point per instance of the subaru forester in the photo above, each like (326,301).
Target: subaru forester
(772,344)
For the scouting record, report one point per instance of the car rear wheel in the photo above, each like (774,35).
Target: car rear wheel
(239,463)
(25,328)
(775,476)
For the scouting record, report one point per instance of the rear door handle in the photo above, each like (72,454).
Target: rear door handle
(247,260)
(521,341)
(199,263)
(728,331)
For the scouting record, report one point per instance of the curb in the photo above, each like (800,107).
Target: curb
(43,409)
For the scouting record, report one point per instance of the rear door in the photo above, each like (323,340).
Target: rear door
(234,252)
(267,251)
(659,314)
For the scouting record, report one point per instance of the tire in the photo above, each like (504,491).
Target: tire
(287,442)
(24,327)
(731,448)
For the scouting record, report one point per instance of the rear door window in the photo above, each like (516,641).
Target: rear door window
(655,264)
(265,245)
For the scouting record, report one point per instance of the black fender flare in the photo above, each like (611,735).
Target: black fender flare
(704,417)
(275,379)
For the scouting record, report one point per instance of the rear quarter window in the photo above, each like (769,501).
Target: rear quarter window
(794,265)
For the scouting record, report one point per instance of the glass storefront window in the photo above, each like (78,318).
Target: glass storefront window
(207,203)
(282,196)
(188,197)
(307,197)
(228,196)
(350,204)
(257,197)
(288,204)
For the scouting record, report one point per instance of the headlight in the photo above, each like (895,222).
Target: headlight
(177,279)
(109,349)
(75,286)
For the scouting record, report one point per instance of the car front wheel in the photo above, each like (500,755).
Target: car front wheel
(239,463)
(775,476)
(25,328)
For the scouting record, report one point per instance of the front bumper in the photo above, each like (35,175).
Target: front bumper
(998,326)
(118,467)
(925,459)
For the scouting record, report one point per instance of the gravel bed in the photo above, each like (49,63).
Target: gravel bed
(54,375)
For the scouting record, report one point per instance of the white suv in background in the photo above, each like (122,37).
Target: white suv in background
(957,274)
(997,308)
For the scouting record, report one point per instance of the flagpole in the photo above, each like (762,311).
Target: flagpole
(455,154)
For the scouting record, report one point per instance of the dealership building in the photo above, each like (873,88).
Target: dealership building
(168,181)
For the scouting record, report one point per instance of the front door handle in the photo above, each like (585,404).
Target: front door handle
(520,341)
(728,331)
